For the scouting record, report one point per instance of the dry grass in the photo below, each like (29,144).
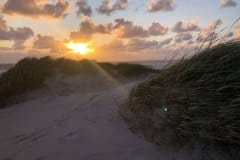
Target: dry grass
(31,73)
(195,98)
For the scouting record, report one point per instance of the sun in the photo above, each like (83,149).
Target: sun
(80,48)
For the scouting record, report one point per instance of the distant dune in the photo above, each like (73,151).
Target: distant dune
(31,73)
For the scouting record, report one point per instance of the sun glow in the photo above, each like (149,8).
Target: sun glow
(80,48)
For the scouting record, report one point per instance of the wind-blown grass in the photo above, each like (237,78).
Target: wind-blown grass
(31,73)
(196,98)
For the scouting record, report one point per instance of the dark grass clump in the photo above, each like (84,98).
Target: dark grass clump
(198,98)
(27,74)
(132,70)
(31,73)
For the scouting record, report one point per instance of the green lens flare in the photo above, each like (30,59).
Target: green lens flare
(165,109)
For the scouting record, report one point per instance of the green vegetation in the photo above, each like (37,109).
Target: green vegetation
(31,73)
(197,98)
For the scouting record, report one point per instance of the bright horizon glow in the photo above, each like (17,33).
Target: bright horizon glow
(80,48)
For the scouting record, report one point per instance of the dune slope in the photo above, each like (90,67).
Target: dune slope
(195,100)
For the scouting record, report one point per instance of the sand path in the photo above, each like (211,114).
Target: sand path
(72,127)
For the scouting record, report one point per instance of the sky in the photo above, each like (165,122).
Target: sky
(113,30)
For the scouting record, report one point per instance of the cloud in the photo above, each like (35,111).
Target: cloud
(133,49)
(83,8)
(160,5)
(186,26)
(209,33)
(114,45)
(36,8)
(157,29)
(18,35)
(85,32)
(166,42)
(228,3)
(135,45)
(183,37)
(87,28)
(104,29)
(121,28)
(138,44)
(210,37)
(19,44)
(3,24)
(109,6)
(12,55)
(212,27)
(201,38)
(229,35)
(237,33)
(48,42)
(127,29)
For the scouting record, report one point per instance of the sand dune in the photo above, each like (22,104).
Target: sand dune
(77,118)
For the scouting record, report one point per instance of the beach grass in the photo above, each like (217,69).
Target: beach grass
(196,98)
(31,73)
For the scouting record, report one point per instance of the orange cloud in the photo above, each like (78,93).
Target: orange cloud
(36,8)
(18,35)
(49,42)
(87,28)
(237,33)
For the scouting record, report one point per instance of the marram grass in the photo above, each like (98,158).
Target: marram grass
(31,73)
(195,98)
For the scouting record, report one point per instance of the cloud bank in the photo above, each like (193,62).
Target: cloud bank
(18,35)
(36,8)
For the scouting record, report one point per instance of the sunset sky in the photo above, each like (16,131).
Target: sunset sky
(114,30)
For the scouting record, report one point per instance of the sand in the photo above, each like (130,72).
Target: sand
(72,119)
(77,118)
